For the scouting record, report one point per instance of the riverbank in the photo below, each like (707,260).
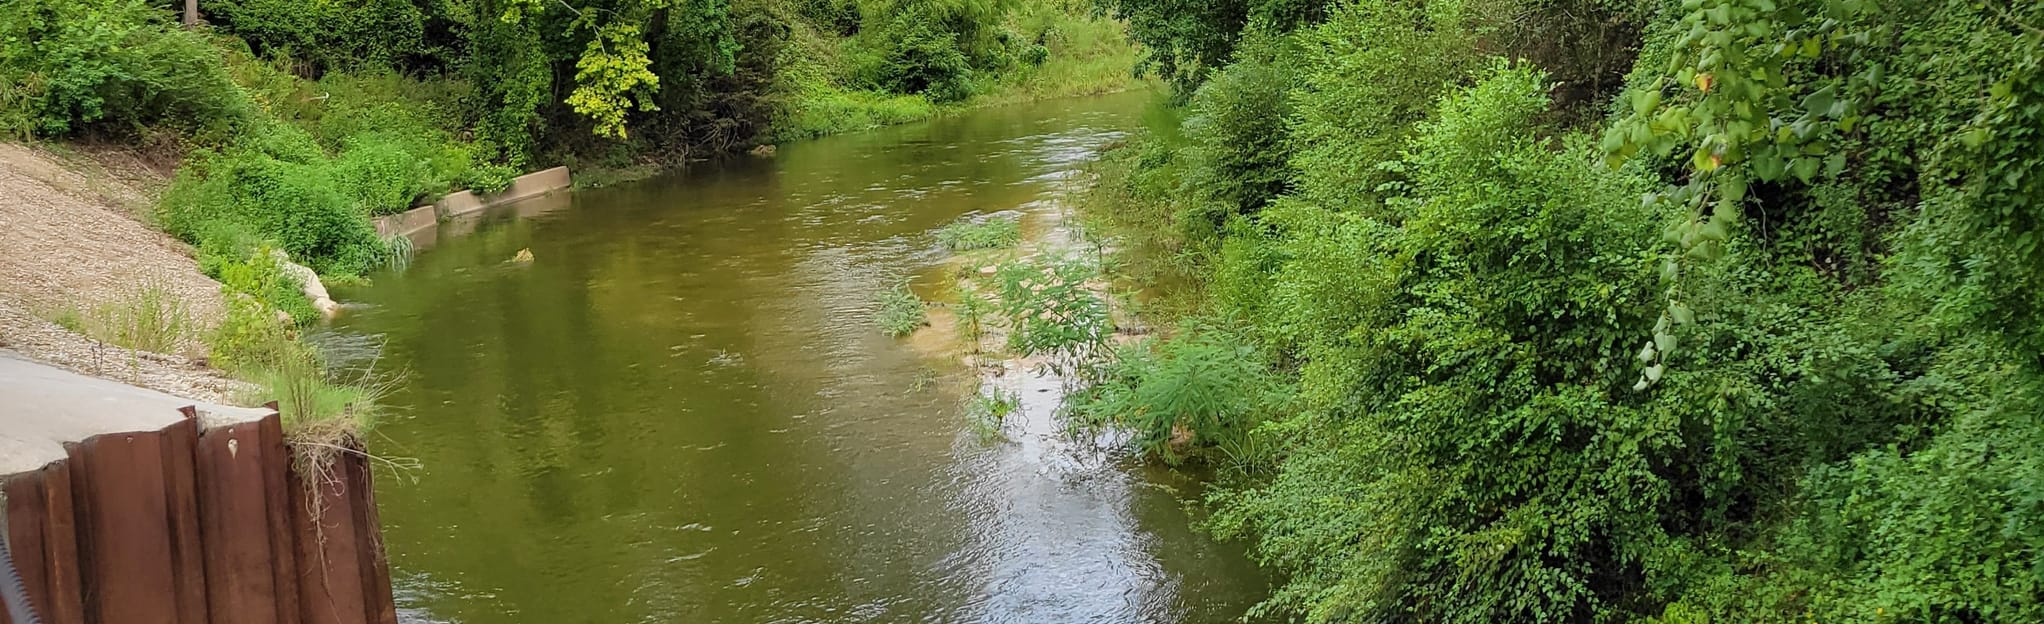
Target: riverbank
(80,273)
(87,284)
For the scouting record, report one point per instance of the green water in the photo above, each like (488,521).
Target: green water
(680,410)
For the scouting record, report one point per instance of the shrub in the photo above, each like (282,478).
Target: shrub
(1201,389)
(919,57)
(117,64)
(249,338)
(1369,74)
(490,178)
(256,273)
(328,34)
(1236,160)
(1463,363)
(277,186)
(1051,311)
(384,174)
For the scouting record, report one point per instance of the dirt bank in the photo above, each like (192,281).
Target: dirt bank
(72,243)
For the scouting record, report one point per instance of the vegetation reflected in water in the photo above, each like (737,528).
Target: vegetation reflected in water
(681,410)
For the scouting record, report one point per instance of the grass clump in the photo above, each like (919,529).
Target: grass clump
(1000,232)
(149,318)
(255,345)
(901,311)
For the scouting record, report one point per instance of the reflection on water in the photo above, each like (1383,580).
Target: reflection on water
(681,412)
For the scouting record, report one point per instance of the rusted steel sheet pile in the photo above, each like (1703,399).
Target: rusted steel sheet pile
(187,526)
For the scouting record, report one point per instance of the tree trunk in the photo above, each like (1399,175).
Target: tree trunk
(191,13)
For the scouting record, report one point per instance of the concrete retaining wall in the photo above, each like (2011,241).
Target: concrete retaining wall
(422,221)
(184,526)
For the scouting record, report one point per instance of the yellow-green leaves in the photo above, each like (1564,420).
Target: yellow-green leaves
(612,77)
(1727,101)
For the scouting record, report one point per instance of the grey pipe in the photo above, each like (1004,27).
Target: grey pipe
(12,588)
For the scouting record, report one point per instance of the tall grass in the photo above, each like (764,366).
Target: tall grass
(821,108)
(252,344)
(148,318)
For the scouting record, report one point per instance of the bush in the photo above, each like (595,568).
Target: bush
(385,174)
(1369,75)
(328,34)
(116,64)
(1050,311)
(1237,157)
(1463,360)
(917,56)
(249,338)
(490,178)
(1202,389)
(280,190)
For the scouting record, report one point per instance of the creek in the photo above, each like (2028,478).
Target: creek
(680,409)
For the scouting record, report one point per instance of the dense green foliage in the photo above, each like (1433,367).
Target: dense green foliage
(301,120)
(1800,381)
(66,66)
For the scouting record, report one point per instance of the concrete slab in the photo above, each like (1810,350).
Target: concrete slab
(42,407)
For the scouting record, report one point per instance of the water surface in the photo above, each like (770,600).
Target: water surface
(680,410)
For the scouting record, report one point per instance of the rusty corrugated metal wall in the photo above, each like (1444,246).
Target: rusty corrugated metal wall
(180,526)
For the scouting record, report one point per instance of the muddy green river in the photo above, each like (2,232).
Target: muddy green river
(681,411)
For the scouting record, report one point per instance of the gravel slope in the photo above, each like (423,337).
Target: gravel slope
(70,242)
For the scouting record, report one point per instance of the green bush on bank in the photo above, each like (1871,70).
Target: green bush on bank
(1796,383)
(1184,394)
(119,65)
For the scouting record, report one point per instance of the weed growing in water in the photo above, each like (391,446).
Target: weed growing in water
(399,251)
(985,233)
(986,412)
(901,311)
(1051,312)
(972,309)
